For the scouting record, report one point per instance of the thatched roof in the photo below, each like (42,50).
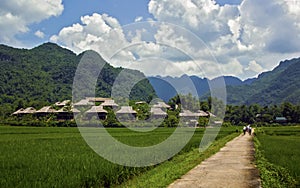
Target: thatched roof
(46,109)
(18,111)
(141,102)
(64,110)
(187,113)
(158,111)
(110,103)
(29,110)
(211,114)
(63,103)
(126,110)
(74,110)
(83,102)
(97,99)
(202,113)
(161,105)
(96,109)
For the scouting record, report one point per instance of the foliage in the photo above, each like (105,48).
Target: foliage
(44,75)
(203,121)
(270,88)
(143,111)
(261,116)
(277,154)
(111,120)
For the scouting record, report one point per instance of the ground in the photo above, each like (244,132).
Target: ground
(233,166)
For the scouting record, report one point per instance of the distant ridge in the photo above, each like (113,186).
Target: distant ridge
(165,86)
(282,84)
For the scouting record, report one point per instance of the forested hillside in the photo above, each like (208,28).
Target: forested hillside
(274,87)
(168,87)
(44,75)
(282,84)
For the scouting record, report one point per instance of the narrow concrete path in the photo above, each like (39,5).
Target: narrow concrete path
(231,167)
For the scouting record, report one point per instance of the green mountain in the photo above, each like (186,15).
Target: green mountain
(282,84)
(44,75)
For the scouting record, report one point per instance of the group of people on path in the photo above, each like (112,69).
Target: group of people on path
(247,129)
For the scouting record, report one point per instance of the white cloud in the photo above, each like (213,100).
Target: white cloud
(39,34)
(245,39)
(138,19)
(16,15)
(204,17)
(232,68)
(101,33)
(266,25)
(254,66)
(237,33)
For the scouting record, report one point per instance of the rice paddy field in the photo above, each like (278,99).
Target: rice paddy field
(59,157)
(280,146)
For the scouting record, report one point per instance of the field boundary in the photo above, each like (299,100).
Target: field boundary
(167,172)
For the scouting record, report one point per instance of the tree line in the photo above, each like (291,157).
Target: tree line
(235,115)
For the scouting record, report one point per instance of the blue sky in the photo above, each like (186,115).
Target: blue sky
(73,9)
(125,11)
(240,37)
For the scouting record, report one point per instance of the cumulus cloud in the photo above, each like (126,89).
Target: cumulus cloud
(197,36)
(16,15)
(39,34)
(237,32)
(101,33)
(267,26)
(138,19)
(254,66)
(204,17)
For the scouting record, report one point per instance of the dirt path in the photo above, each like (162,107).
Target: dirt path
(231,167)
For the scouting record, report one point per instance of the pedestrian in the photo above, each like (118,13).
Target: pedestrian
(244,130)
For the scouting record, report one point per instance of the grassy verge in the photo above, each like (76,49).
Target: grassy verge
(169,171)
(272,173)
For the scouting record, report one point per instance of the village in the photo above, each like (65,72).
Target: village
(99,108)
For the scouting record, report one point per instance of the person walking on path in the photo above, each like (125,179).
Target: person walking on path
(244,130)
(232,167)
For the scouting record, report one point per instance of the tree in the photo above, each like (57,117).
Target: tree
(287,111)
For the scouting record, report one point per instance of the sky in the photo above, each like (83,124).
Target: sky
(206,38)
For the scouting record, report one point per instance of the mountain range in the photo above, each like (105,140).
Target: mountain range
(44,75)
(168,87)
(282,84)
(272,87)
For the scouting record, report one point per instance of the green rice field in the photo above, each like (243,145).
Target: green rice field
(59,157)
(281,147)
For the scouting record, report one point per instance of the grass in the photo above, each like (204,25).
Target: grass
(278,156)
(59,157)
(169,171)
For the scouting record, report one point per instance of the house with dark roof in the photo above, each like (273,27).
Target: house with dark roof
(281,120)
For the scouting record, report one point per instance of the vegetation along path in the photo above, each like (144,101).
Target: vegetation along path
(231,167)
